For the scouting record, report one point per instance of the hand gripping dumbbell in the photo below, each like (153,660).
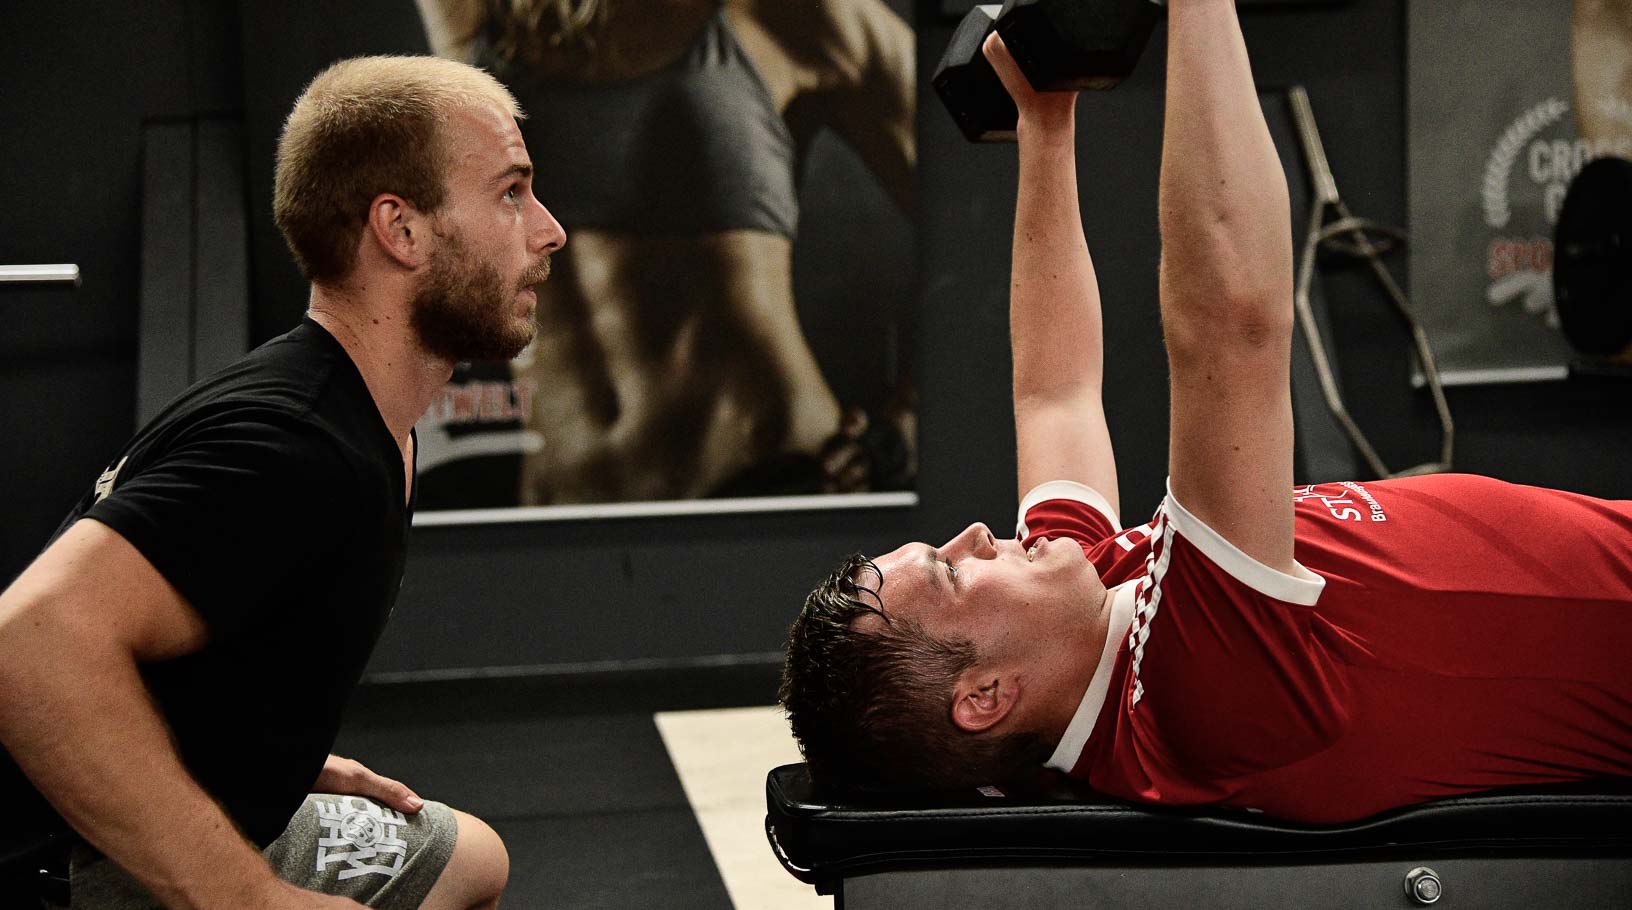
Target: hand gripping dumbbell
(1060,45)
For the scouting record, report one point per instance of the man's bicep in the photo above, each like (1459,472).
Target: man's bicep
(232,511)
(1230,443)
(93,581)
(1065,439)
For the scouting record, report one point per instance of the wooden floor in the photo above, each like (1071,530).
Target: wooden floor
(633,792)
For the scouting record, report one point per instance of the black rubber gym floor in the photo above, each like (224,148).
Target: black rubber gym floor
(571,772)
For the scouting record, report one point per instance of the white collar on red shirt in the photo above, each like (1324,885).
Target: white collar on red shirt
(1082,723)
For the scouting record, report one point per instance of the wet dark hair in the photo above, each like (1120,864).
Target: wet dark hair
(871,702)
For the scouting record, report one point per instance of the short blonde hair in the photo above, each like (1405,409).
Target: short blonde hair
(366,126)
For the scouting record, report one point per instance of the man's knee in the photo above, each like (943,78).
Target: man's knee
(485,853)
(476,873)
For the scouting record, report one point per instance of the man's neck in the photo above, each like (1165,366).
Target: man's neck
(400,374)
(1083,650)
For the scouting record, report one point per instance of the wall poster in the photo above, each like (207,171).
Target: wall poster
(727,328)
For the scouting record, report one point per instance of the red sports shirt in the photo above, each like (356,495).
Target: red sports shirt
(1441,635)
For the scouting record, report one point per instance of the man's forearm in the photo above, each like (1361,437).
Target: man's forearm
(1226,238)
(1054,312)
(78,720)
(1054,308)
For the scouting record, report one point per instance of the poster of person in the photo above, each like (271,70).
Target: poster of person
(1509,99)
(729,320)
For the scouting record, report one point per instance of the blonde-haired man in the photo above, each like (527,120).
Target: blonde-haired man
(174,665)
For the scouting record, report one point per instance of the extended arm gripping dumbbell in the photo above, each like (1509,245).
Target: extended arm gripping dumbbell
(1060,45)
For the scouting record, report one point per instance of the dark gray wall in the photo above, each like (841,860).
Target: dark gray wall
(284,45)
(80,79)
(680,589)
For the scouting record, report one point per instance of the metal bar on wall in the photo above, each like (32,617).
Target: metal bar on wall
(669,508)
(58,273)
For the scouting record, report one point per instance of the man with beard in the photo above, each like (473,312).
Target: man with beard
(174,665)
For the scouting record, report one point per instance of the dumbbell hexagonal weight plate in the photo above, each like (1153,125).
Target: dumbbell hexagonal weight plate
(969,87)
(1060,45)
(1073,45)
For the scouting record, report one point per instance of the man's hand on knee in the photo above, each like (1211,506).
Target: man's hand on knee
(346,777)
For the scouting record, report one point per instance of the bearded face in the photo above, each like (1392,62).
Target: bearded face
(464,309)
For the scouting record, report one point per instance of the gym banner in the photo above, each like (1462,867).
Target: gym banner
(1508,100)
(726,328)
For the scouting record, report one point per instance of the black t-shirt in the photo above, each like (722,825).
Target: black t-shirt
(272,496)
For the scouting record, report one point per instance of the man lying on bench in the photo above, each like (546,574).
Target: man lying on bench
(1317,653)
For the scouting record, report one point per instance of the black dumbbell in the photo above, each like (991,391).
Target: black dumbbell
(968,85)
(1060,45)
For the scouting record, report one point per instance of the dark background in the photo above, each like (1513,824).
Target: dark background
(82,78)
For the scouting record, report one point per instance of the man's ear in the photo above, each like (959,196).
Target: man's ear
(982,699)
(400,231)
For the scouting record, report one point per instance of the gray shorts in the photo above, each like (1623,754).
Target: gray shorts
(342,845)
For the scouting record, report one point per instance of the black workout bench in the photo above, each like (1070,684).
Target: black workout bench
(1566,847)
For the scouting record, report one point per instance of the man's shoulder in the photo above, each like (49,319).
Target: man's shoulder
(1068,507)
(299,388)
(294,373)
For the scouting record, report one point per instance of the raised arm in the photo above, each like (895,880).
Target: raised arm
(1054,313)
(77,719)
(1226,288)
(856,76)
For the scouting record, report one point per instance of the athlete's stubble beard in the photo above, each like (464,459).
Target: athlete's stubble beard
(463,310)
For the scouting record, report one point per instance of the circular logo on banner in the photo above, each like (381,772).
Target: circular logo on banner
(1522,139)
(1527,174)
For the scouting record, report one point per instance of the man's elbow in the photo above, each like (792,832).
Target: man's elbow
(25,642)
(1241,322)
(1230,252)
(37,638)
(1041,390)
(19,621)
